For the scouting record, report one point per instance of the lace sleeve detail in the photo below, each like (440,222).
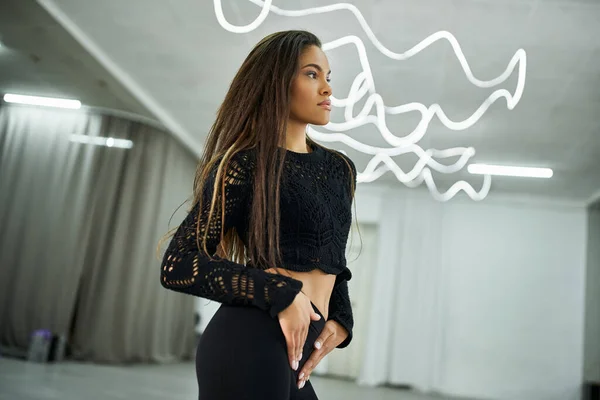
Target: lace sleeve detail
(340,310)
(186,268)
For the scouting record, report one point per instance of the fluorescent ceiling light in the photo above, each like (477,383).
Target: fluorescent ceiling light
(42,101)
(527,172)
(102,141)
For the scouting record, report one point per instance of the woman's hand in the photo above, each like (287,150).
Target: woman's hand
(331,336)
(294,321)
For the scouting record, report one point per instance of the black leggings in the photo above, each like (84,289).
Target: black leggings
(242,355)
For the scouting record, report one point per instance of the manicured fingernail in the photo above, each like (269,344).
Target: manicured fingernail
(295,365)
(300,358)
(301,385)
(318,345)
(301,376)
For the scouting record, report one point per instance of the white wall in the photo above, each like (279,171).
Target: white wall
(591,363)
(486,297)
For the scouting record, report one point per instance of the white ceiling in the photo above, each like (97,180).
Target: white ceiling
(172,59)
(38,57)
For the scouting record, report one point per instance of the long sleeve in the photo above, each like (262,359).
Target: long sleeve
(340,310)
(186,269)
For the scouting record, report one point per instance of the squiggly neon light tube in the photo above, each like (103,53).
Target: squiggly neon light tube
(364,84)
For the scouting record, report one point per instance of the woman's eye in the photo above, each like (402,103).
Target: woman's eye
(314,76)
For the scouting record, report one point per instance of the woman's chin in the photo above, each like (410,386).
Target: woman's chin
(320,121)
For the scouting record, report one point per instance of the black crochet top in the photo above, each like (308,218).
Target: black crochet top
(315,204)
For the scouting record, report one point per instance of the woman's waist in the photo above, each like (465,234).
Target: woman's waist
(317,285)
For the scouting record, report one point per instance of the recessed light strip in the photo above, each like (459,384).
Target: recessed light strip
(102,141)
(525,172)
(42,101)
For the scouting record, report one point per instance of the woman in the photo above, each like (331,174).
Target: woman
(267,233)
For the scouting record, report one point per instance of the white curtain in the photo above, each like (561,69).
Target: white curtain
(80,224)
(591,366)
(481,300)
(405,310)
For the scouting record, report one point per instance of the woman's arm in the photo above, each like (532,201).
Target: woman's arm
(340,310)
(187,269)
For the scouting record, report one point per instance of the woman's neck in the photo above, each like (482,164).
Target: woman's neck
(296,138)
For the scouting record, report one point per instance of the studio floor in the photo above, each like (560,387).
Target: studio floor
(21,380)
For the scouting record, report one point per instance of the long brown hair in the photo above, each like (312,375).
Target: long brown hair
(245,121)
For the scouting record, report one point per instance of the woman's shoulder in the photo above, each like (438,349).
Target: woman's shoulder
(338,158)
(239,165)
(243,158)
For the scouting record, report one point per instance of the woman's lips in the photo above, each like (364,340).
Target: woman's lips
(325,104)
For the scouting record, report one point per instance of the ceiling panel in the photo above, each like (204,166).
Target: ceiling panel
(181,62)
